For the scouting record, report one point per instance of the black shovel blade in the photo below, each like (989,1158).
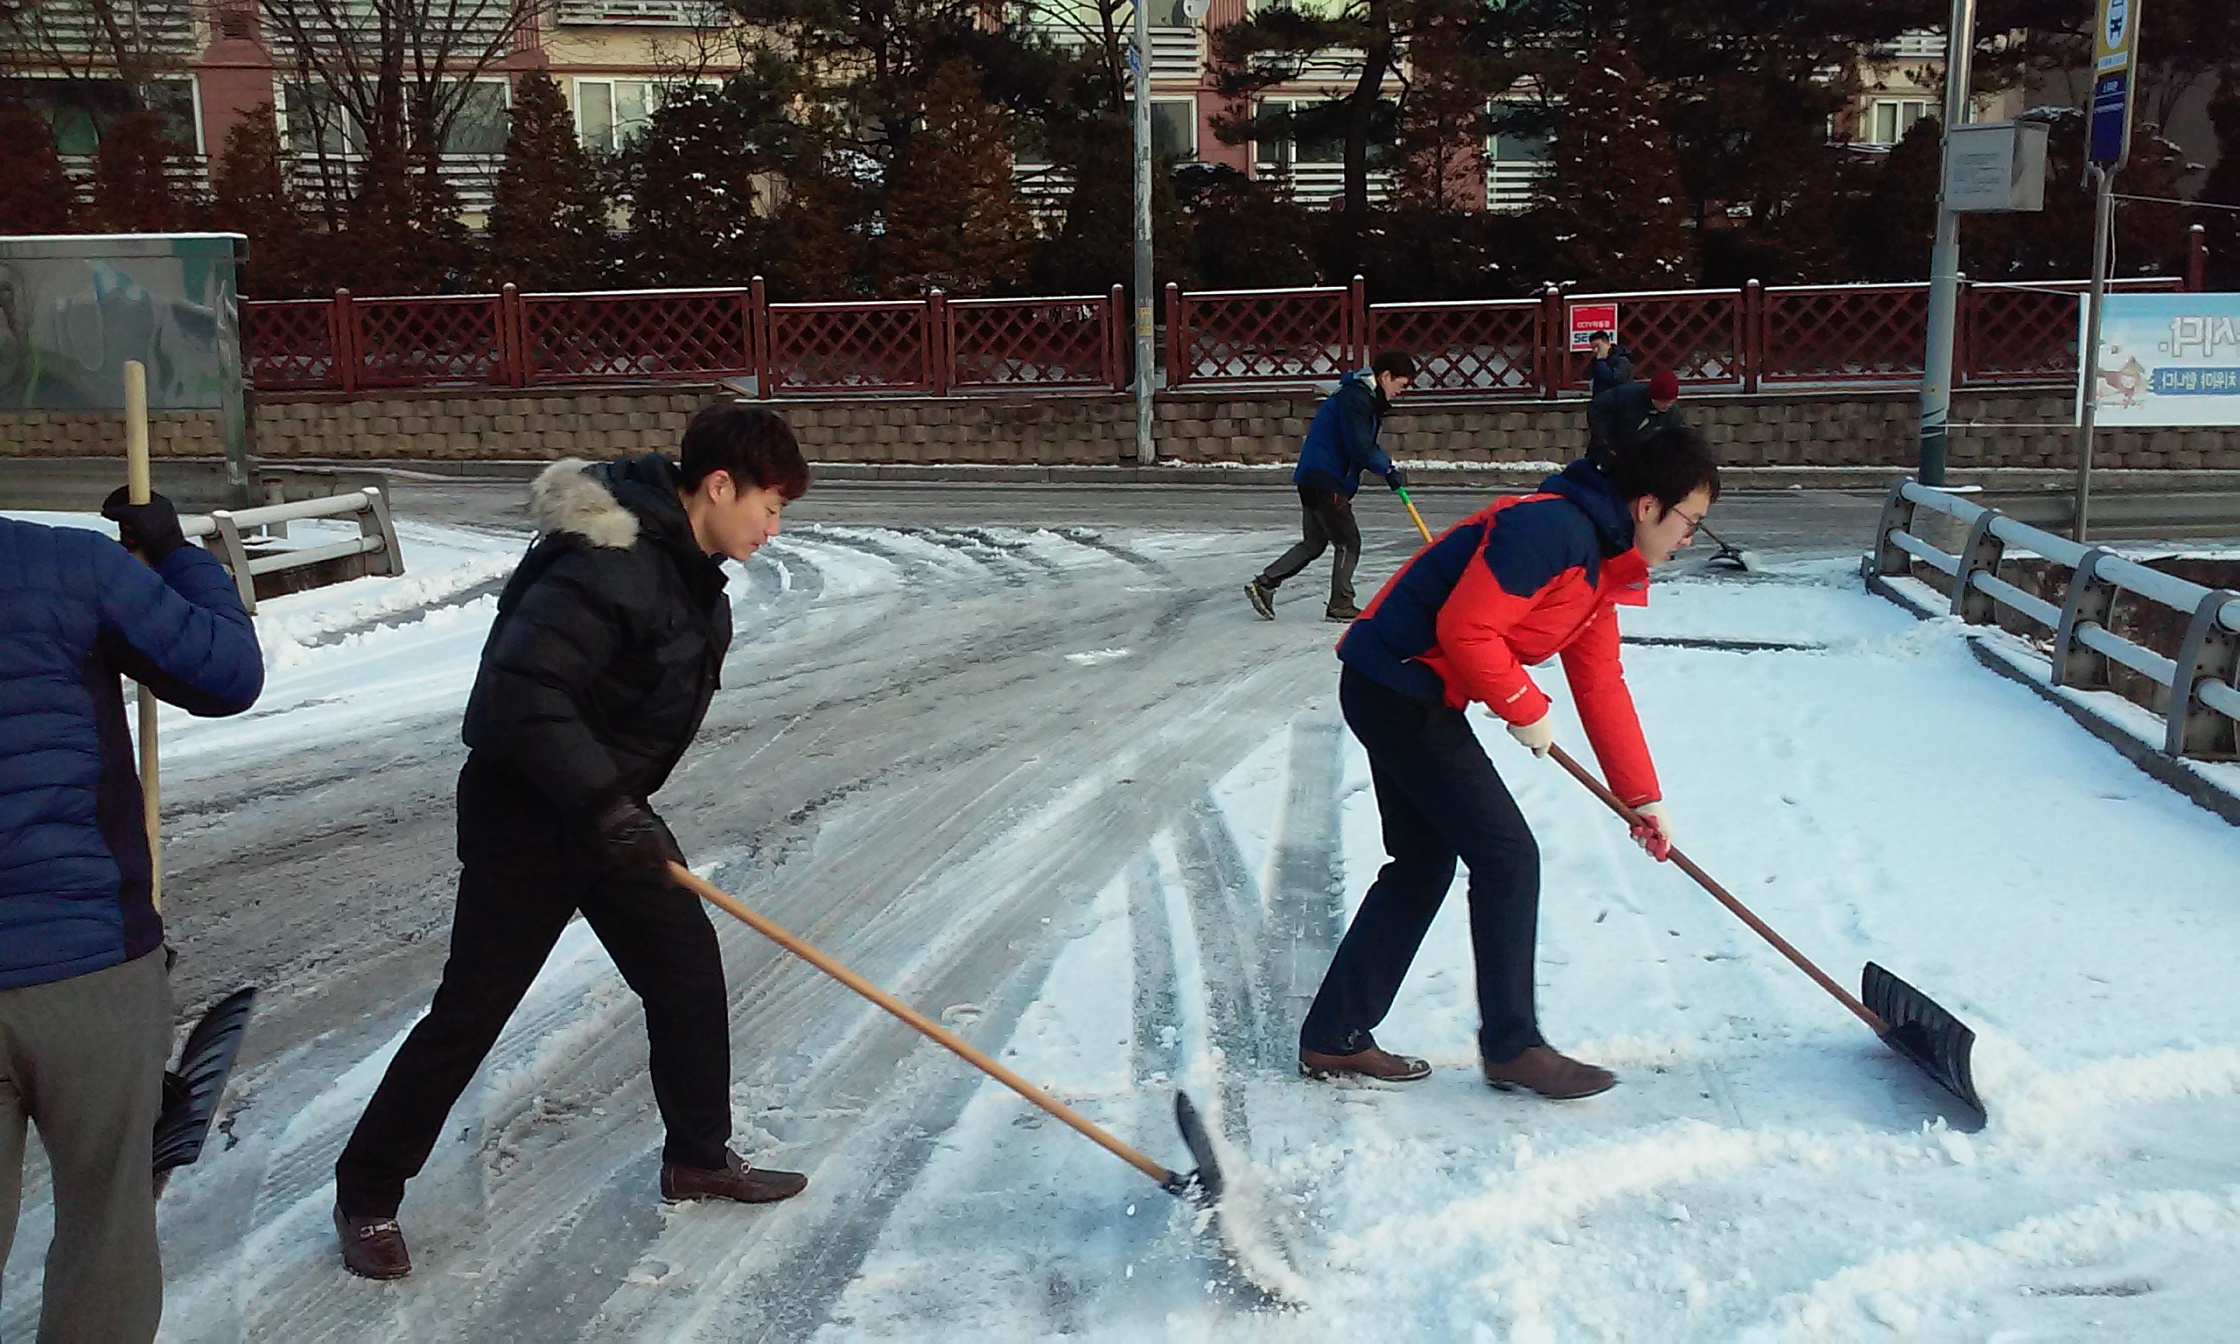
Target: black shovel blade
(1922,1031)
(191,1094)
(1203,1186)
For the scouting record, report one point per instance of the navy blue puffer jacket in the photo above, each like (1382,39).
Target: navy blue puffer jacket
(77,609)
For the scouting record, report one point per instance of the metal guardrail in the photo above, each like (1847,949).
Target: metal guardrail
(2197,695)
(376,541)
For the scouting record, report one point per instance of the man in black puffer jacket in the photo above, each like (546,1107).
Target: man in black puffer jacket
(606,650)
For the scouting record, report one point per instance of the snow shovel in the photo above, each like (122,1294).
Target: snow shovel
(1202,1186)
(192,1091)
(1907,1020)
(191,1094)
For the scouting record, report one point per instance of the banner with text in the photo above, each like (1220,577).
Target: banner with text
(2167,359)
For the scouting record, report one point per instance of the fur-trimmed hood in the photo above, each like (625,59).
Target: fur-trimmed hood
(572,495)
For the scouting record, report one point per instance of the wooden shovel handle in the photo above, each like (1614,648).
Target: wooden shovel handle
(137,489)
(1720,894)
(932,1030)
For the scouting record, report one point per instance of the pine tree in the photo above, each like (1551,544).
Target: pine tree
(548,221)
(1895,224)
(2223,188)
(132,190)
(823,228)
(1612,195)
(1094,246)
(696,181)
(955,219)
(251,196)
(35,194)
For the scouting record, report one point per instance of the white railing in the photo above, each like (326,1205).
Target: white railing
(376,541)
(2196,690)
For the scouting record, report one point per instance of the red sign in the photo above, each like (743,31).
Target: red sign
(1589,318)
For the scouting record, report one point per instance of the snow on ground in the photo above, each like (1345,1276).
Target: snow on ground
(1766,1170)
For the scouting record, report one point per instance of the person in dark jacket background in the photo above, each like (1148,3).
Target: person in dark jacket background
(599,667)
(1631,412)
(1612,365)
(1341,443)
(85,997)
(1521,581)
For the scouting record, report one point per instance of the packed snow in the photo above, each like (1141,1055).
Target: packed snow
(1766,1169)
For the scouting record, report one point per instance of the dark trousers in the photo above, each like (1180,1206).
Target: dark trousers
(1440,800)
(82,1059)
(1326,521)
(511,911)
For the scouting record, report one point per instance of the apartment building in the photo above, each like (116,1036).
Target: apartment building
(206,63)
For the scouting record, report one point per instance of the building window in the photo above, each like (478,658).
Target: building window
(1515,161)
(1888,119)
(1285,153)
(78,110)
(314,122)
(611,113)
(1174,128)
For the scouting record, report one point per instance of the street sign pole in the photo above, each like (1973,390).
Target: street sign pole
(2115,39)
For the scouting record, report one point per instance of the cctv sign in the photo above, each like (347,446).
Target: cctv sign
(1589,318)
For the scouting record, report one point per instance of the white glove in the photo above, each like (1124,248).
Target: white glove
(1655,838)
(1538,735)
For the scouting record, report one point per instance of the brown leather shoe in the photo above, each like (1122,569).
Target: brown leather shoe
(734,1180)
(372,1248)
(1542,1070)
(1374,1062)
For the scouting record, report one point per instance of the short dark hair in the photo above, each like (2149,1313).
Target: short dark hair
(1670,463)
(1398,363)
(1603,336)
(754,445)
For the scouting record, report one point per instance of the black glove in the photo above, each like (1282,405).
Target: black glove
(634,840)
(1394,479)
(151,528)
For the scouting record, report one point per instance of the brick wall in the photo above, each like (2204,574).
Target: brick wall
(1845,428)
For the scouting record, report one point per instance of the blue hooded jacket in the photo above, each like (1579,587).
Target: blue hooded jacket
(77,609)
(1342,439)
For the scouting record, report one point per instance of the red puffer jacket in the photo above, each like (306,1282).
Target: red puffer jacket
(1515,584)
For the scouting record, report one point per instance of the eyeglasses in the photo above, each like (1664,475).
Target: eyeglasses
(1695,520)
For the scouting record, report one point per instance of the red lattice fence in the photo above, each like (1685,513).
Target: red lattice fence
(1482,348)
(1842,333)
(849,347)
(1035,344)
(641,337)
(1263,335)
(2027,332)
(415,342)
(1740,338)
(290,345)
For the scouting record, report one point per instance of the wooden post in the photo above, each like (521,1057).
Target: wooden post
(138,488)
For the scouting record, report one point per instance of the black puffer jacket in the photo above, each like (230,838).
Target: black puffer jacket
(607,646)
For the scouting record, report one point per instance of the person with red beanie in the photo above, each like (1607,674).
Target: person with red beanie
(1631,412)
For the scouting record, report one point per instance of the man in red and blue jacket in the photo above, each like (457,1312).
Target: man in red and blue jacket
(1529,578)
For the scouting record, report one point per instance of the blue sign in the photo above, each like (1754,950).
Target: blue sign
(2197,382)
(2111,122)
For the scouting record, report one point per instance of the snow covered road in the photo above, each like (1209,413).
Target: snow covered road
(1060,789)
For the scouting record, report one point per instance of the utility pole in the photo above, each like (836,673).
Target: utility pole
(1944,259)
(1139,56)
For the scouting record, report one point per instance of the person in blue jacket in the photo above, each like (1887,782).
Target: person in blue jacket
(85,996)
(1341,444)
